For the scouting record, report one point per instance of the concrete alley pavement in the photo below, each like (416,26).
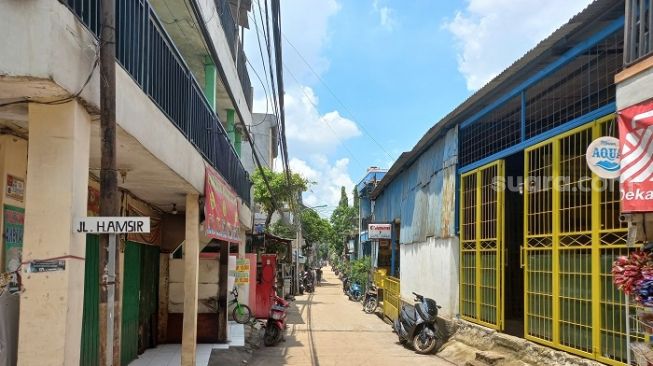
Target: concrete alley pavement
(326,329)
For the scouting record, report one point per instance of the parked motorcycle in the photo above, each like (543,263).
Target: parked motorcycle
(371,299)
(345,285)
(355,292)
(276,324)
(417,326)
(307,282)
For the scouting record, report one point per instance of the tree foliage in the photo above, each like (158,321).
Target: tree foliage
(344,223)
(279,193)
(283,229)
(315,229)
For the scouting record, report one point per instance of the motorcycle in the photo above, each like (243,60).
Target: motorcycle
(345,285)
(371,299)
(355,292)
(417,326)
(307,281)
(276,324)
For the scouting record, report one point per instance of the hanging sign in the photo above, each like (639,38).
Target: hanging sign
(13,228)
(636,140)
(112,225)
(380,231)
(220,208)
(15,187)
(603,157)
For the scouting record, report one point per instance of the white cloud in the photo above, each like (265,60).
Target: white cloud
(310,132)
(313,137)
(491,34)
(386,15)
(330,177)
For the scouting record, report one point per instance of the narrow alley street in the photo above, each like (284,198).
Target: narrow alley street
(325,329)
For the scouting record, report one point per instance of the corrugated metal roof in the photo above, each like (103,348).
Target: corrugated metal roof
(593,17)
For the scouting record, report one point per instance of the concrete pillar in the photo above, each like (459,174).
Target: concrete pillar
(191,277)
(57,184)
(231,125)
(210,79)
(237,142)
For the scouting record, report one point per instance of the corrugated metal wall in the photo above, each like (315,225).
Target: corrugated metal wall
(423,195)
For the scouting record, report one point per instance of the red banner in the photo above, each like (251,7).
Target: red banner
(636,142)
(220,208)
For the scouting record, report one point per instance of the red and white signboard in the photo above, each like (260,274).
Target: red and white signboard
(380,231)
(636,142)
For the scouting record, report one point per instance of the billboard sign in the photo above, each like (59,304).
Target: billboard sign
(636,143)
(379,231)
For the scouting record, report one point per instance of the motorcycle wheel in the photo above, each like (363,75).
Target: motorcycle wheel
(272,335)
(426,346)
(370,305)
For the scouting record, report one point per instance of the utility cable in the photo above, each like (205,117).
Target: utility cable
(276,22)
(336,98)
(68,98)
(310,100)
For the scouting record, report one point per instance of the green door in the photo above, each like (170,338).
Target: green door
(149,301)
(130,302)
(90,344)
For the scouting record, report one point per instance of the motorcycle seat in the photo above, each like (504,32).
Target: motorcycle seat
(408,312)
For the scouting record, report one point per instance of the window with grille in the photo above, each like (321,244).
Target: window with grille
(581,86)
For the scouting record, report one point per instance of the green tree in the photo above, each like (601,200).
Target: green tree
(315,229)
(280,192)
(283,229)
(343,222)
(344,201)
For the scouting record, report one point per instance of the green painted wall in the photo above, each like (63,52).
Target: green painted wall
(131,288)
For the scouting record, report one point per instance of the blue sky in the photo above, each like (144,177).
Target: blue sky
(386,71)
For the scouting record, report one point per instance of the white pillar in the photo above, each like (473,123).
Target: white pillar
(191,277)
(56,193)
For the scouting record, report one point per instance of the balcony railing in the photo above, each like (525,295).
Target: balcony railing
(638,38)
(146,51)
(230,27)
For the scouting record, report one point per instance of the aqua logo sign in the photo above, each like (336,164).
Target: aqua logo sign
(603,157)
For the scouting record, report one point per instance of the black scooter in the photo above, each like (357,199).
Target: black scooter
(371,299)
(417,325)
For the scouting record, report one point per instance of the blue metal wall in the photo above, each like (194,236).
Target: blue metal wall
(422,197)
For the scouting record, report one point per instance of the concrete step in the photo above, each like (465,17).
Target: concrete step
(489,358)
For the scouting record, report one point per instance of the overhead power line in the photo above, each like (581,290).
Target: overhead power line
(340,142)
(338,99)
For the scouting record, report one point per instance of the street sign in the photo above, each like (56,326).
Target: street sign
(380,231)
(112,225)
(603,157)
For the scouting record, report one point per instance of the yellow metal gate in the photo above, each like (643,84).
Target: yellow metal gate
(391,297)
(481,275)
(572,236)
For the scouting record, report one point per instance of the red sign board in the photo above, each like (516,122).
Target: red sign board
(636,142)
(220,208)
